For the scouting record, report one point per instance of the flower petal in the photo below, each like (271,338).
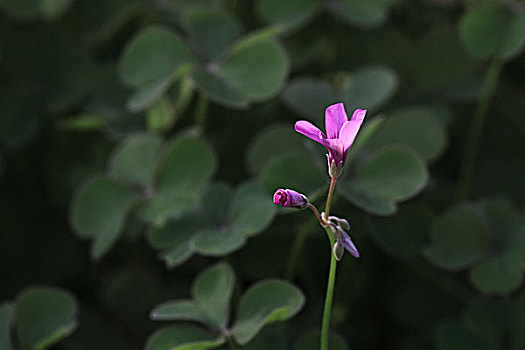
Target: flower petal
(359,115)
(336,148)
(348,244)
(309,130)
(350,129)
(335,117)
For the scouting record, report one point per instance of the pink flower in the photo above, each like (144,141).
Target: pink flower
(290,198)
(340,134)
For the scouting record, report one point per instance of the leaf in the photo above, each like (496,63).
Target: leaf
(218,90)
(242,71)
(453,335)
(391,175)
(295,171)
(290,14)
(183,170)
(496,276)
(403,235)
(83,122)
(174,310)
(152,55)
(134,159)
(146,95)
(483,30)
(7,311)
(415,127)
(369,88)
(173,238)
(52,9)
(99,210)
(271,141)
(251,212)
(459,238)
(362,13)
(182,338)
(515,40)
(161,116)
(212,32)
(216,202)
(266,302)
(309,97)
(217,242)
(212,291)
(44,316)
(311,340)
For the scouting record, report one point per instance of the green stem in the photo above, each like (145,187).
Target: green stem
(468,162)
(232,344)
(329,294)
(200,112)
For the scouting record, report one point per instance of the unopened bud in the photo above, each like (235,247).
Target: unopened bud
(290,199)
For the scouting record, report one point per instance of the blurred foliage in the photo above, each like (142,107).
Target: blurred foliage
(140,142)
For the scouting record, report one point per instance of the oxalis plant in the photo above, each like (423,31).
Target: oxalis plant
(339,137)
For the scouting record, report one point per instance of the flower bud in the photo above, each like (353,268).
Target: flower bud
(290,199)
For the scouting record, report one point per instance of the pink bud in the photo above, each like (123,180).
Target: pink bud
(290,198)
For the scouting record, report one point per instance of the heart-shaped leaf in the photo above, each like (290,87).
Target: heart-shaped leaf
(182,338)
(415,127)
(496,276)
(362,13)
(174,310)
(240,69)
(99,211)
(152,55)
(212,291)
(391,175)
(183,170)
(272,141)
(483,29)
(453,335)
(290,14)
(212,32)
(44,316)
(459,238)
(134,159)
(265,302)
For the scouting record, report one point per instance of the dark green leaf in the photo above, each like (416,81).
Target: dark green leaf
(362,13)
(218,90)
(152,55)
(309,97)
(459,238)
(484,29)
(453,335)
(266,302)
(290,14)
(496,276)
(218,242)
(182,338)
(212,32)
(241,69)
(212,291)
(44,316)
(134,159)
(175,310)
(99,210)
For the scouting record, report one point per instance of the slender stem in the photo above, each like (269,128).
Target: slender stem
(329,293)
(316,212)
(468,162)
(200,111)
(330,195)
(232,344)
